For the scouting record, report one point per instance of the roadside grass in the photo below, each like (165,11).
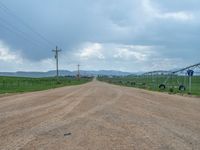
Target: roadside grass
(153,83)
(23,84)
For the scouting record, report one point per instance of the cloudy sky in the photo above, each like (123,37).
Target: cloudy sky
(126,35)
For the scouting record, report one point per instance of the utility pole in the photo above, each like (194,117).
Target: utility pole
(56,57)
(78,73)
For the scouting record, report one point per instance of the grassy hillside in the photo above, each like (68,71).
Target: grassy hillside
(152,83)
(20,84)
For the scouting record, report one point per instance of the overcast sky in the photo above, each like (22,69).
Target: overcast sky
(126,35)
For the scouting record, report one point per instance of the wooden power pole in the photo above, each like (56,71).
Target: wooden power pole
(78,72)
(56,57)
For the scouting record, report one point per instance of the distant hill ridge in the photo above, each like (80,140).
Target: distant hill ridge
(65,73)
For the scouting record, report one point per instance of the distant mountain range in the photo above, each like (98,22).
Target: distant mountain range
(65,73)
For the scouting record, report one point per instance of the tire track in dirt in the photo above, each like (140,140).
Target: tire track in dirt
(100,116)
(51,104)
(72,101)
(75,117)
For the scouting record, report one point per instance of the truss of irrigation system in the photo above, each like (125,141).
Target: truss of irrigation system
(180,71)
(187,72)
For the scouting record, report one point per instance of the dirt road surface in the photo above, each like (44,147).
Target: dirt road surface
(99,116)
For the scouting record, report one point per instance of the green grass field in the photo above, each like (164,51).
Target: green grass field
(21,84)
(153,82)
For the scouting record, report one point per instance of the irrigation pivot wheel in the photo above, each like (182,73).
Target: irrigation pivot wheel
(162,87)
(182,88)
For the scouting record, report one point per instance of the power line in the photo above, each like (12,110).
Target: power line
(18,34)
(11,28)
(9,12)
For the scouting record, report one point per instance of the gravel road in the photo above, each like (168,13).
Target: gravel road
(99,116)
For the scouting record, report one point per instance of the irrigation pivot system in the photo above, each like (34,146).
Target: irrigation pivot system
(183,81)
(180,79)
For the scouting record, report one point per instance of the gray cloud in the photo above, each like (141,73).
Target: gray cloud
(170,28)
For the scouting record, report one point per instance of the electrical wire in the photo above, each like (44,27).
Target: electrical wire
(18,34)
(11,28)
(9,12)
